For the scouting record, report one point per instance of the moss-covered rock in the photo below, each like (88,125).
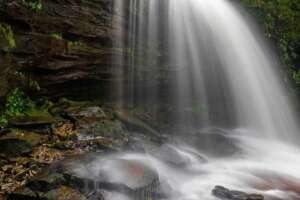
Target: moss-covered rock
(30,137)
(85,111)
(63,43)
(31,121)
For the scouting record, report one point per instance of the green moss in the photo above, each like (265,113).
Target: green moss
(76,43)
(8,34)
(34,5)
(57,36)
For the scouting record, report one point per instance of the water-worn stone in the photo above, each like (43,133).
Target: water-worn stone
(214,142)
(137,125)
(115,174)
(94,127)
(226,194)
(88,112)
(170,154)
(14,147)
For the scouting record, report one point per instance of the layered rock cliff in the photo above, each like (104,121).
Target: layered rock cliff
(61,48)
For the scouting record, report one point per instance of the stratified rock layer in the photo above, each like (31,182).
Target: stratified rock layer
(66,46)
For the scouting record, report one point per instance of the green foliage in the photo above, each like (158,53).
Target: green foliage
(8,33)
(57,36)
(35,5)
(34,85)
(281,22)
(3,121)
(17,103)
(76,43)
(296,76)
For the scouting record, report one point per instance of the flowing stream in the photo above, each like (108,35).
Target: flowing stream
(223,72)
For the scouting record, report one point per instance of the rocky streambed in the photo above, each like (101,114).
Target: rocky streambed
(83,151)
(34,146)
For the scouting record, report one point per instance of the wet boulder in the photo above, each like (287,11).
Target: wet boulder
(93,127)
(176,156)
(213,142)
(226,194)
(136,125)
(127,176)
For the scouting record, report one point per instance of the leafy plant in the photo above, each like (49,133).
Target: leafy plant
(8,33)
(35,5)
(17,103)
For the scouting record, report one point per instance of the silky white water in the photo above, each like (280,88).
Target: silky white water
(221,68)
(271,170)
(219,62)
(244,173)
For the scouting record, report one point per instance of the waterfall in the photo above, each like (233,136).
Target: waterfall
(210,63)
(218,63)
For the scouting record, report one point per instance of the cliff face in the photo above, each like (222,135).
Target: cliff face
(65,47)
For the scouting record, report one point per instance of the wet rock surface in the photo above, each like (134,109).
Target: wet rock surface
(33,169)
(136,125)
(226,194)
(175,157)
(214,142)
